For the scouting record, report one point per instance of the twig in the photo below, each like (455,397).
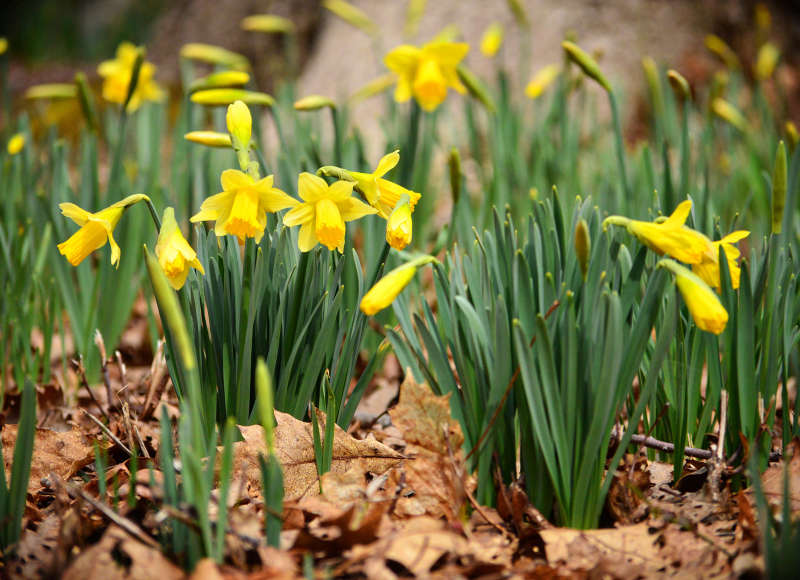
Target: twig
(108,432)
(502,402)
(101,346)
(123,372)
(122,522)
(718,460)
(158,381)
(78,364)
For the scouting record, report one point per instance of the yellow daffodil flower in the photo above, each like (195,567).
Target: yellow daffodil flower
(669,236)
(492,39)
(381,193)
(241,209)
(399,226)
(117,77)
(426,73)
(16,143)
(324,211)
(385,290)
(175,256)
(703,303)
(708,269)
(96,228)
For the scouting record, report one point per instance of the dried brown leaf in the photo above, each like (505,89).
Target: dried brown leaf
(294,447)
(436,474)
(118,556)
(61,453)
(773,478)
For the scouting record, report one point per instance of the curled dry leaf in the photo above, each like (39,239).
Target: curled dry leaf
(118,556)
(61,453)
(294,447)
(772,479)
(436,472)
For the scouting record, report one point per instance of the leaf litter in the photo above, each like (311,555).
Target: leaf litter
(396,503)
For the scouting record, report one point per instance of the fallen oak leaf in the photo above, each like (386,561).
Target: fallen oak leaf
(294,448)
(62,453)
(437,471)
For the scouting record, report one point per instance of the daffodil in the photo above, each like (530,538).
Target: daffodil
(175,256)
(703,303)
(426,73)
(399,226)
(381,193)
(117,75)
(324,211)
(96,229)
(241,208)
(708,269)
(669,236)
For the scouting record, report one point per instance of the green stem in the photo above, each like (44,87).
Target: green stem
(153,215)
(620,145)
(302,268)
(684,152)
(337,136)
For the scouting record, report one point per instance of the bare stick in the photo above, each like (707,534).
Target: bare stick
(78,364)
(122,522)
(108,432)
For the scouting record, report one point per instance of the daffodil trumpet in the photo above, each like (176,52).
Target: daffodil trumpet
(703,303)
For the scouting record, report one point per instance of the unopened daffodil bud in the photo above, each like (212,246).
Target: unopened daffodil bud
(221,97)
(583,246)
(541,80)
(221,79)
(52,91)
(268,23)
(587,63)
(3,44)
(383,293)
(352,15)
(721,49)
(767,60)
(399,225)
(209,138)
(15,144)
(680,86)
(779,188)
(214,55)
(492,39)
(313,102)
(728,113)
(792,135)
(240,125)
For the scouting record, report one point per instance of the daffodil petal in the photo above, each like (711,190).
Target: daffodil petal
(75,213)
(311,188)
(402,59)
(233,179)
(306,238)
(353,209)
(446,53)
(387,163)
(300,215)
(340,191)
